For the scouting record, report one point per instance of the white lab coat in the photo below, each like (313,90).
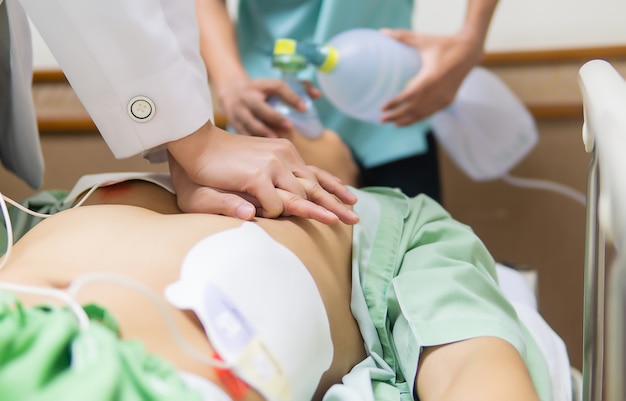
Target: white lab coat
(116,50)
(20,151)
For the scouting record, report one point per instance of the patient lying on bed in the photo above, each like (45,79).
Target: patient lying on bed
(405,303)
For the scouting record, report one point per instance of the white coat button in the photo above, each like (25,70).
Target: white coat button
(141,109)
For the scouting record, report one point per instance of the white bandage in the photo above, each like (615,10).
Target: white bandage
(260,309)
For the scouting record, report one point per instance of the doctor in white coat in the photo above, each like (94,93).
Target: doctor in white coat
(136,67)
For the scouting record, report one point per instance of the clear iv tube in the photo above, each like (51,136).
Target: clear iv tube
(534,183)
(79,282)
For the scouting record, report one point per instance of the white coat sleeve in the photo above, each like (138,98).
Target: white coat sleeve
(134,64)
(20,150)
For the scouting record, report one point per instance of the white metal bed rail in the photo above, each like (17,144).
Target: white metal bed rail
(604,135)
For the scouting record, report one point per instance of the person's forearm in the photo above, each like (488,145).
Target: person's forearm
(192,147)
(218,46)
(477,20)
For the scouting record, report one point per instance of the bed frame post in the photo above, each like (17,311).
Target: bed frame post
(616,361)
(593,328)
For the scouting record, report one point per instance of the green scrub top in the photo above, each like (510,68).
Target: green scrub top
(261,22)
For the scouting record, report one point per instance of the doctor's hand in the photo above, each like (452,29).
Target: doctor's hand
(214,171)
(248,112)
(446,61)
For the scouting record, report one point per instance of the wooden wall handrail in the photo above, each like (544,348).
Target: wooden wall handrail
(41,75)
(79,120)
(85,124)
(548,111)
(493,59)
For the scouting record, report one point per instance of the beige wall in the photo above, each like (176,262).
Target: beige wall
(534,24)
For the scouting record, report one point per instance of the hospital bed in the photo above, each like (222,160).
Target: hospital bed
(604,135)
(600,85)
(512,283)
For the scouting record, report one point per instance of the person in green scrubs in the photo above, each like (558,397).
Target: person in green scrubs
(401,151)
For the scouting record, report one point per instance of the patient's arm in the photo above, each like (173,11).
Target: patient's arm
(487,368)
(149,247)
